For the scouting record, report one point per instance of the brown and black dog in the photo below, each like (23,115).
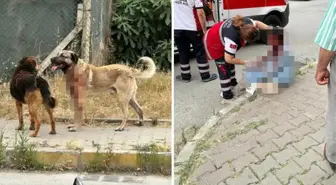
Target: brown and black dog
(28,88)
(116,79)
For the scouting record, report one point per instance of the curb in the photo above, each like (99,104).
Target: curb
(149,121)
(188,149)
(136,161)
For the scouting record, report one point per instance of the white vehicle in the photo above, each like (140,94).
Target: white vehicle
(270,12)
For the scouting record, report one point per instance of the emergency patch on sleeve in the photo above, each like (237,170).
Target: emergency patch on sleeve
(230,46)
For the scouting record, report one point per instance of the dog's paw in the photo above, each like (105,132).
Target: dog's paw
(33,135)
(119,129)
(52,132)
(138,123)
(18,128)
(32,127)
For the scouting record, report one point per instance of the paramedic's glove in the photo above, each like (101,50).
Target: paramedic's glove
(249,63)
(246,62)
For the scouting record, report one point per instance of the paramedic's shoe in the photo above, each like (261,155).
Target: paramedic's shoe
(251,90)
(228,99)
(237,90)
(332,165)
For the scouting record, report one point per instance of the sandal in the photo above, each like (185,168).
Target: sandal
(179,77)
(212,77)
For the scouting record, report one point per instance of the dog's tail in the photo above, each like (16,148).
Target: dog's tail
(149,68)
(48,100)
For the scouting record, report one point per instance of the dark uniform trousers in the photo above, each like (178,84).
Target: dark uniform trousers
(183,39)
(227,76)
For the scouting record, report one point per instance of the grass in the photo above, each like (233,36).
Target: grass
(23,156)
(244,130)
(152,147)
(194,160)
(3,147)
(154,96)
(148,160)
(204,144)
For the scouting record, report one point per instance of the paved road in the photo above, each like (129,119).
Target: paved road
(273,140)
(195,102)
(36,178)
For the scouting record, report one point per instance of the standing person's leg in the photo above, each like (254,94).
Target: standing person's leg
(202,62)
(183,46)
(330,150)
(224,72)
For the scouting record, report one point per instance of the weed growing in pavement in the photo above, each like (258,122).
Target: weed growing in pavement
(97,164)
(235,109)
(246,129)
(180,143)
(299,72)
(204,144)
(193,162)
(252,98)
(104,161)
(147,157)
(74,145)
(299,182)
(187,134)
(2,150)
(149,160)
(23,156)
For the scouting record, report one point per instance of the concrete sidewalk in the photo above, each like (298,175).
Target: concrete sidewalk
(125,146)
(274,140)
(106,137)
(43,178)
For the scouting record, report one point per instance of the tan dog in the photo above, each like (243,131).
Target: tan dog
(117,79)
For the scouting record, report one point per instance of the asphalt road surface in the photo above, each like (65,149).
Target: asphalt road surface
(195,102)
(40,178)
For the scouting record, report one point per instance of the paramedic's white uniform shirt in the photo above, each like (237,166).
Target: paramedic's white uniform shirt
(183,15)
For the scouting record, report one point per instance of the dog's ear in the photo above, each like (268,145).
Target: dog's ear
(74,57)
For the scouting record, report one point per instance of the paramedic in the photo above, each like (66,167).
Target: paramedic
(221,43)
(185,33)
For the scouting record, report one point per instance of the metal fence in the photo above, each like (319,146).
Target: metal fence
(43,27)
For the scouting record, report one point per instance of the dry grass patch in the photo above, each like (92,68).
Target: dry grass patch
(154,96)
